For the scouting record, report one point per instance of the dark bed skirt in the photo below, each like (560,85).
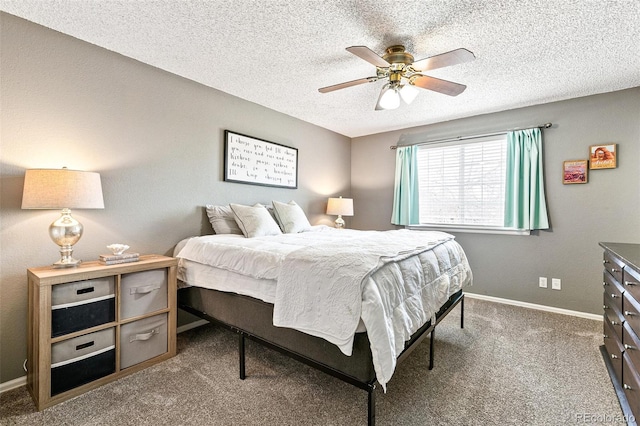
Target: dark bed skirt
(254,318)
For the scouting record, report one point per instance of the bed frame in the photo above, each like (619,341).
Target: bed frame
(252,318)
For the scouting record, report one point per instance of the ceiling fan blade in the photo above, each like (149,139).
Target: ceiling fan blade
(437,85)
(454,57)
(369,56)
(347,84)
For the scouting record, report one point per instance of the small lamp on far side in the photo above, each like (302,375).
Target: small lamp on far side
(63,189)
(341,207)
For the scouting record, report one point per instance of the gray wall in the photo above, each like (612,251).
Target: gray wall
(607,208)
(155,138)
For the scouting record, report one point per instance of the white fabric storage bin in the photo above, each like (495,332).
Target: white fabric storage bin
(143,339)
(143,292)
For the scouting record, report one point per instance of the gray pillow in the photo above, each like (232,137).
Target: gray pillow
(254,221)
(222,220)
(291,217)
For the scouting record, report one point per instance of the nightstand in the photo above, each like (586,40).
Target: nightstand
(96,323)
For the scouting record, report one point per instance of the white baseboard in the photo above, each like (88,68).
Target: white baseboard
(12,384)
(22,381)
(579,314)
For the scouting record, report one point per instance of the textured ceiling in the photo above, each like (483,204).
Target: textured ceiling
(278,53)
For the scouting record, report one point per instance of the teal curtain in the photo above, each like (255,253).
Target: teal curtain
(525,205)
(405,192)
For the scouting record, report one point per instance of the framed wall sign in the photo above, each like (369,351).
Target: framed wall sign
(259,162)
(603,156)
(574,171)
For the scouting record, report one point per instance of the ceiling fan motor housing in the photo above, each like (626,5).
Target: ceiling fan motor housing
(397,55)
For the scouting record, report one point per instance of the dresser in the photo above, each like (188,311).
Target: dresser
(94,323)
(621,283)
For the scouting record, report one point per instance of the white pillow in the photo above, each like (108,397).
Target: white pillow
(291,217)
(254,221)
(222,220)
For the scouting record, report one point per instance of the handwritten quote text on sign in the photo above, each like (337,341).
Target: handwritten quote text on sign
(259,162)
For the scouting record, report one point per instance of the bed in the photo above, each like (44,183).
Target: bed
(350,303)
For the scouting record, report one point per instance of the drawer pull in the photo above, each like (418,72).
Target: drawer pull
(615,323)
(629,346)
(614,270)
(630,283)
(85,290)
(606,336)
(143,336)
(144,289)
(605,261)
(630,313)
(627,387)
(613,295)
(614,356)
(85,345)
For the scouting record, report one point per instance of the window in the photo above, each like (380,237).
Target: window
(463,183)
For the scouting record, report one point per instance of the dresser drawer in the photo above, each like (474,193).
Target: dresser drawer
(613,315)
(613,265)
(631,282)
(631,312)
(614,349)
(631,385)
(631,343)
(143,292)
(142,340)
(613,289)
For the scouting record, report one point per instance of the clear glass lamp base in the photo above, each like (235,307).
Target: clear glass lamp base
(66,258)
(339,223)
(65,232)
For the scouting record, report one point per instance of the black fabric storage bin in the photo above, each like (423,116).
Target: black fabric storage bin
(83,316)
(79,305)
(72,375)
(82,359)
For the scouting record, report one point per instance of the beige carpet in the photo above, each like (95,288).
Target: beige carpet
(508,366)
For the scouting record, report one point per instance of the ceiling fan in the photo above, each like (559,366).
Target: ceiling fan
(404,74)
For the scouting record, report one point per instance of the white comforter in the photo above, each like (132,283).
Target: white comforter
(328,279)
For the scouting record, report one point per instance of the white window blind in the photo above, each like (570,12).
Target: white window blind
(463,183)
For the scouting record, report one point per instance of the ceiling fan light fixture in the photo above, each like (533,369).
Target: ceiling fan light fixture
(389,97)
(408,93)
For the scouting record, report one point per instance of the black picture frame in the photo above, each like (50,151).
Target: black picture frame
(256,161)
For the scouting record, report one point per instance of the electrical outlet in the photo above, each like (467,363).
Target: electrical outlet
(556,283)
(542,282)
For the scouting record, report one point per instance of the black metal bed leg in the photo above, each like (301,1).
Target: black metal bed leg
(462,312)
(371,406)
(241,354)
(433,332)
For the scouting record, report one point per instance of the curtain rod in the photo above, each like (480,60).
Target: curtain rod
(462,138)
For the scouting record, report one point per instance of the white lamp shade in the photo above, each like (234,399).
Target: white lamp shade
(389,99)
(408,92)
(62,188)
(340,206)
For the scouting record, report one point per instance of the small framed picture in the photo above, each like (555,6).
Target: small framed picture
(603,156)
(574,171)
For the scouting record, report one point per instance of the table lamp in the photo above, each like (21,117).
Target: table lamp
(63,189)
(341,207)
